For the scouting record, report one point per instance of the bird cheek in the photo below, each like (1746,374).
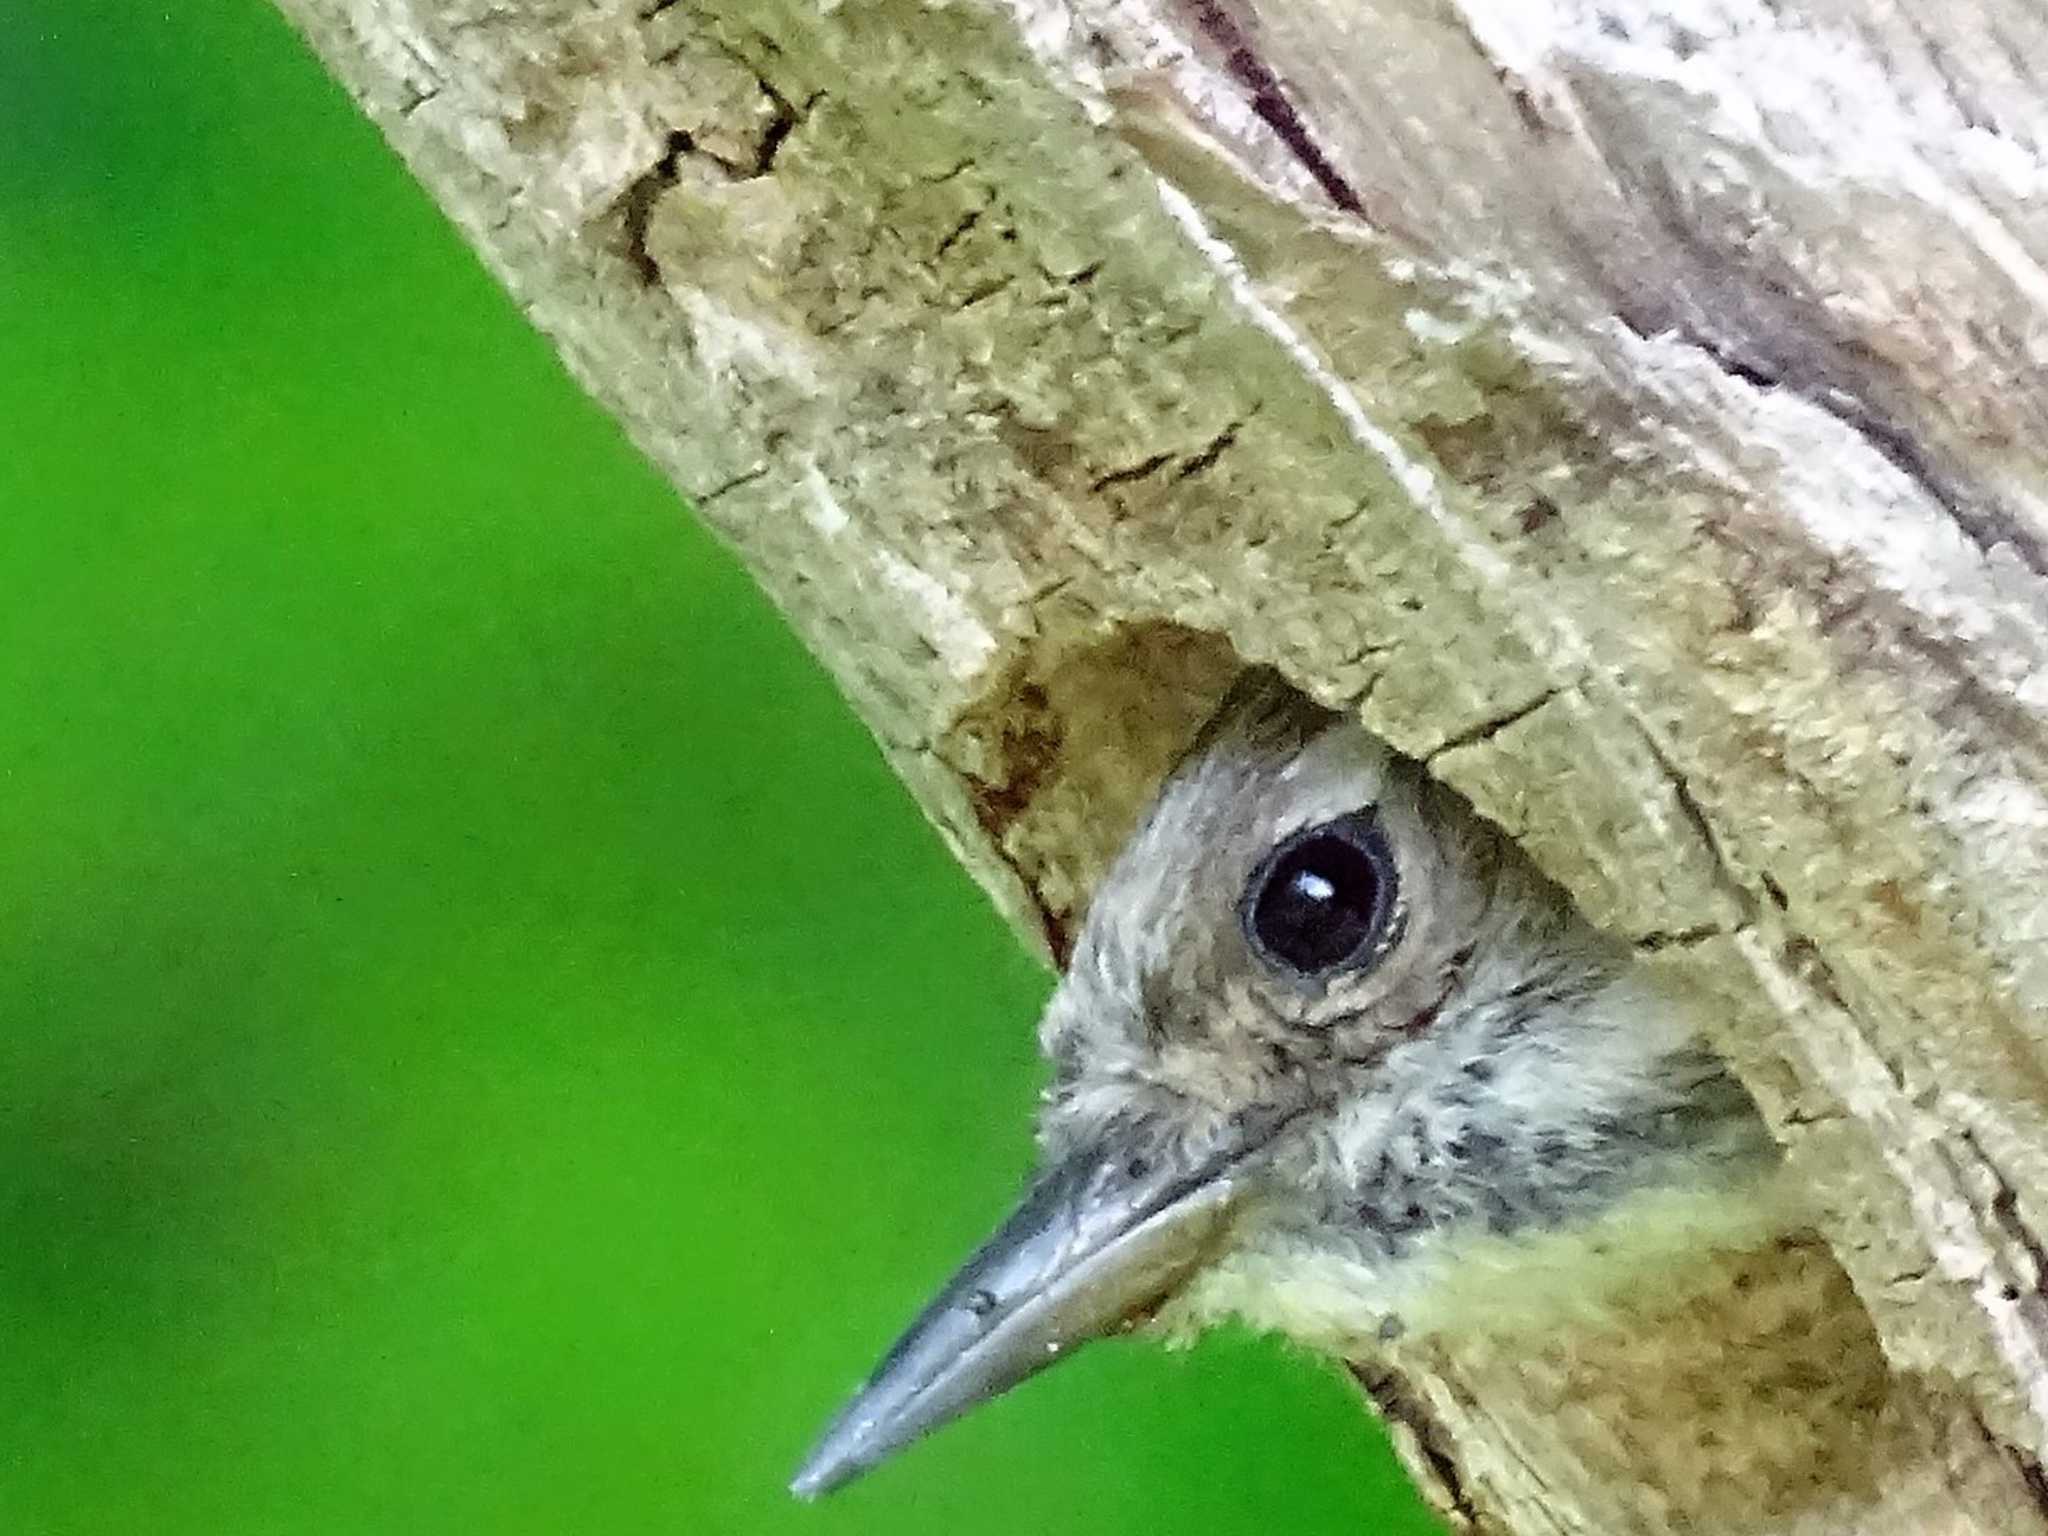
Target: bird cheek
(1221,1075)
(1079,1110)
(1349,1146)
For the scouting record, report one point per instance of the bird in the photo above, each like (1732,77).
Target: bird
(1331,1056)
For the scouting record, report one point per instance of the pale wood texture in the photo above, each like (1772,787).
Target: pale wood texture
(1633,409)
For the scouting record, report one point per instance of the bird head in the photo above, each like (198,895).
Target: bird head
(1324,1028)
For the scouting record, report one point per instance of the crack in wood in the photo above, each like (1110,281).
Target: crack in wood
(960,231)
(2026,1465)
(2005,1215)
(1205,459)
(725,487)
(1678,938)
(637,203)
(1492,726)
(1130,473)
(1696,817)
(1269,100)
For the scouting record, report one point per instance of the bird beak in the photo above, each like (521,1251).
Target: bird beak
(1099,1240)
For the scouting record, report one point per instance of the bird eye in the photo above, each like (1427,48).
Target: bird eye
(1324,898)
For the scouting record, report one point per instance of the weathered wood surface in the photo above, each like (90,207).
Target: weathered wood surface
(1635,410)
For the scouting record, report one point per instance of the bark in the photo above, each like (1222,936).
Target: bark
(1633,410)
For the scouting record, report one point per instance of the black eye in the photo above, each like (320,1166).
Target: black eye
(1324,898)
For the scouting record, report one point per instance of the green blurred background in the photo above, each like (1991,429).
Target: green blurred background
(484,1044)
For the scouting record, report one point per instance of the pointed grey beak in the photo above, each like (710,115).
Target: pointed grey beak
(1097,1243)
